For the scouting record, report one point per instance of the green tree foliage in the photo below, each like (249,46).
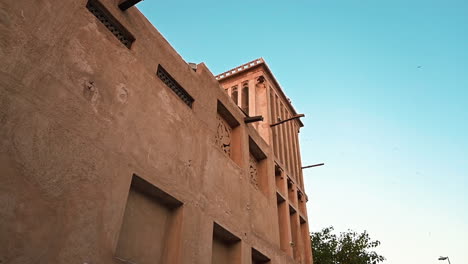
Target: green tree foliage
(347,248)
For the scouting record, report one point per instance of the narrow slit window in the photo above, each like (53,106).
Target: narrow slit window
(110,22)
(235,94)
(245,97)
(175,86)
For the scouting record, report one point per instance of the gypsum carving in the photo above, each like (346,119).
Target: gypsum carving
(223,136)
(253,171)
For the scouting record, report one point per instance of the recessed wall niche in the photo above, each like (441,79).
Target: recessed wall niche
(291,191)
(257,167)
(293,215)
(280,179)
(259,258)
(283,225)
(226,248)
(305,236)
(227,136)
(151,227)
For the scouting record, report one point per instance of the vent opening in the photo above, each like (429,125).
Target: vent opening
(110,22)
(175,86)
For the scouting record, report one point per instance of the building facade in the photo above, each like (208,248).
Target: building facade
(115,150)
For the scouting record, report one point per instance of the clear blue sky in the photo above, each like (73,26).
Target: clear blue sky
(384,86)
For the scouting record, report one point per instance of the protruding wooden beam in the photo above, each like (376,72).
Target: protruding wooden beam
(251,119)
(126,4)
(286,120)
(311,166)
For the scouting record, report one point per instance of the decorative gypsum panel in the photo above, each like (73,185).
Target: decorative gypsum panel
(175,86)
(223,135)
(111,23)
(253,170)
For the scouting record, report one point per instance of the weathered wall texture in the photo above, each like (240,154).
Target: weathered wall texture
(94,148)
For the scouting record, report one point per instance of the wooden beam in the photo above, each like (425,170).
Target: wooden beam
(286,120)
(251,119)
(311,166)
(126,4)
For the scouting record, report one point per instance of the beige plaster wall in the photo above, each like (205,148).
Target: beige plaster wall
(80,114)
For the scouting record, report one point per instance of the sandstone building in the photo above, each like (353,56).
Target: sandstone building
(114,150)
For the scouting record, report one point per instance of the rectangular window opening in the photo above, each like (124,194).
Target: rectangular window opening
(174,86)
(110,22)
(226,248)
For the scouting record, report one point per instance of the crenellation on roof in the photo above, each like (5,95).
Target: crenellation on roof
(240,68)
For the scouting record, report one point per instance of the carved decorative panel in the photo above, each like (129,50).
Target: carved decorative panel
(223,135)
(253,171)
